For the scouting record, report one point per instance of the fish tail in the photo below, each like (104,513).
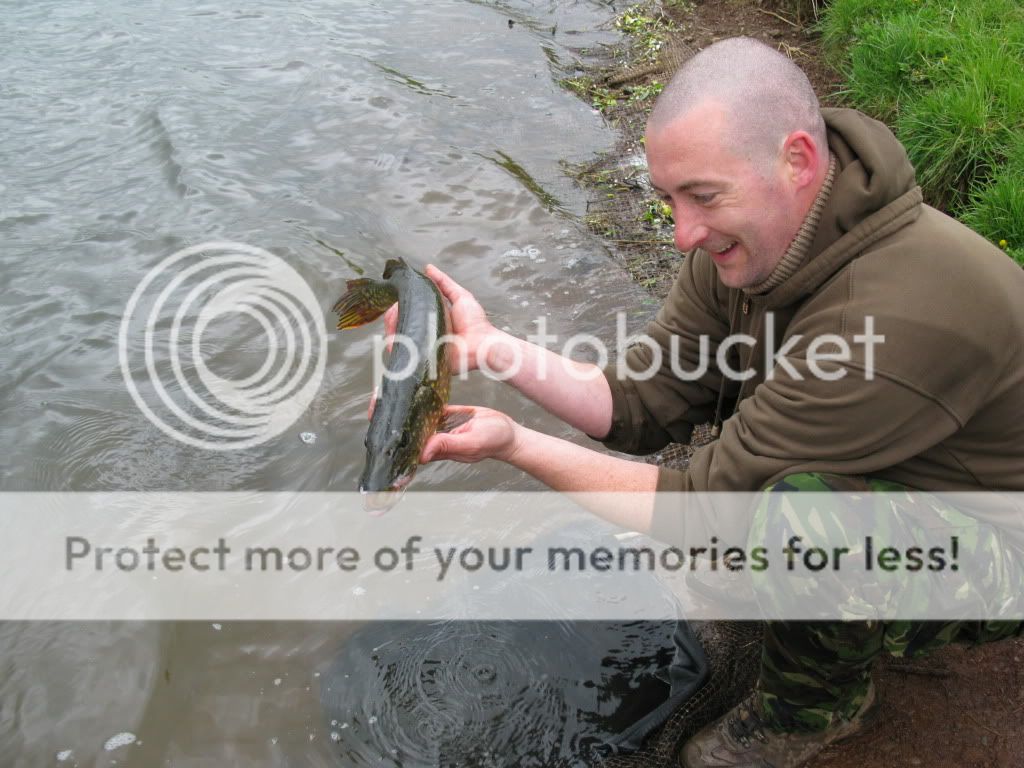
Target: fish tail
(363,302)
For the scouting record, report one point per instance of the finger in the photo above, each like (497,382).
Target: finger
(373,404)
(451,290)
(391,319)
(435,446)
(451,408)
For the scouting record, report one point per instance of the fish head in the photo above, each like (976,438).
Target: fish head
(388,472)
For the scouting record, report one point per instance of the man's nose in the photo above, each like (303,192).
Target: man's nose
(690,232)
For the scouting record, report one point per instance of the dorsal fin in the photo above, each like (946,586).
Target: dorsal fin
(392,264)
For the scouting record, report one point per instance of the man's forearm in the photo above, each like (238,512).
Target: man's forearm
(577,393)
(618,490)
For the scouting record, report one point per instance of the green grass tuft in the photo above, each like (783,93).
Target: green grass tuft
(960,133)
(846,21)
(948,75)
(996,209)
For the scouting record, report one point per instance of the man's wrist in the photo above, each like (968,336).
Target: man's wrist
(510,454)
(499,354)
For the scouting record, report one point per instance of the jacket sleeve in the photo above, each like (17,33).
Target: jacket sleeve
(651,405)
(851,426)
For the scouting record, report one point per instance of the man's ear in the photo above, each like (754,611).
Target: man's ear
(800,156)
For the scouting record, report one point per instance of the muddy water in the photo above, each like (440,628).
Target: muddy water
(335,135)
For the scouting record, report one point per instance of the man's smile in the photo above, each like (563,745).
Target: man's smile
(723,254)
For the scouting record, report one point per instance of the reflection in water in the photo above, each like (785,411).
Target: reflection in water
(493,693)
(533,694)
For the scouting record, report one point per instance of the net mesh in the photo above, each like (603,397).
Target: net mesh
(734,652)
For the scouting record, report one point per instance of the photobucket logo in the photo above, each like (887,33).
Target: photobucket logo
(826,357)
(194,326)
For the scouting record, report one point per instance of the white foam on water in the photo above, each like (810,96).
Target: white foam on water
(119,740)
(64,754)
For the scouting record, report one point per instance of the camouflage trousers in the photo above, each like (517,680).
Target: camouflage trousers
(815,673)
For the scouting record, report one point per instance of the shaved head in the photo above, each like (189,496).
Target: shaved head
(764,96)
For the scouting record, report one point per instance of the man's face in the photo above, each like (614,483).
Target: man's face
(743,215)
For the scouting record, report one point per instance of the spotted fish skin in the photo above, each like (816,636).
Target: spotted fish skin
(409,408)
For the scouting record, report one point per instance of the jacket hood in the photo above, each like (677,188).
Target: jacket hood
(874,194)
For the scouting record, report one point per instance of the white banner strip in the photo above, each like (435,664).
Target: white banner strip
(496,556)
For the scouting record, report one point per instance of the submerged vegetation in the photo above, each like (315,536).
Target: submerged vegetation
(948,77)
(530,184)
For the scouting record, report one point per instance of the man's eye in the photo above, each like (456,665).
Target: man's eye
(705,199)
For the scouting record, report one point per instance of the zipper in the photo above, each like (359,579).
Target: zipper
(716,425)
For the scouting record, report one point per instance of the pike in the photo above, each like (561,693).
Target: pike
(411,405)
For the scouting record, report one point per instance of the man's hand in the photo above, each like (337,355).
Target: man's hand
(559,464)
(486,434)
(577,393)
(468,320)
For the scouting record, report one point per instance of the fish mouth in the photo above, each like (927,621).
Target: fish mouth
(379,502)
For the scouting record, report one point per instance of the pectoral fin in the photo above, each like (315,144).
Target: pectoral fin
(454,419)
(363,302)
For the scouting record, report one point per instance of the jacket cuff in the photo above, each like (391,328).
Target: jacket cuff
(623,435)
(667,523)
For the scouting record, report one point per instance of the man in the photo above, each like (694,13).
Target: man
(799,224)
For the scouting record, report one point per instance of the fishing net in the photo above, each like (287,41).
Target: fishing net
(733,649)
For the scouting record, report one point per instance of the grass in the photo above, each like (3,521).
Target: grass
(958,134)
(996,209)
(948,76)
(894,62)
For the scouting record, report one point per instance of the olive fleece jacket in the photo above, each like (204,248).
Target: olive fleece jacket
(944,410)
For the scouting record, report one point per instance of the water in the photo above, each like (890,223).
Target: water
(335,135)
